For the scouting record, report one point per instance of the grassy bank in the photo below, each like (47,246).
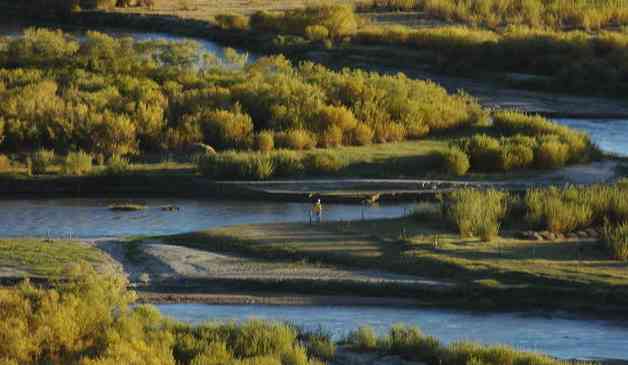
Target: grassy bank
(21,257)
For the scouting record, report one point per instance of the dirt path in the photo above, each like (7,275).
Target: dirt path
(164,262)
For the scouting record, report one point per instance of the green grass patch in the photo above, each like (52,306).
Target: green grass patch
(26,256)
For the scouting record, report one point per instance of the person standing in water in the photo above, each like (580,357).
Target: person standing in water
(317,209)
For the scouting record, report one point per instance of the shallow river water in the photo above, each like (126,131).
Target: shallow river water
(557,334)
(91,217)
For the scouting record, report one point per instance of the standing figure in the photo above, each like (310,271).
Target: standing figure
(317,209)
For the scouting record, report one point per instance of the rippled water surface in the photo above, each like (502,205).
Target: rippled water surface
(610,135)
(91,217)
(557,335)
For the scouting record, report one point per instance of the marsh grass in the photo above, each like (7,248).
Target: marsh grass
(77,164)
(477,213)
(616,239)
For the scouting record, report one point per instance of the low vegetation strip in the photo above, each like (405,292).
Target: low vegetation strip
(91,319)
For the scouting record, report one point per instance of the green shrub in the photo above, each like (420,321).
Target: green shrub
(258,338)
(42,160)
(232,21)
(295,356)
(322,163)
(390,132)
(322,348)
(332,137)
(316,33)
(552,155)
(362,135)
(484,152)
(455,162)
(117,165)
(287,164)
(616,239)
(477,213)
(5,163)
(265,141)
(234,165)
(77,164)
(226,128)
(297,139)
(364,339)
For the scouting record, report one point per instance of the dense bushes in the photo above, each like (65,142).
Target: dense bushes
(558,210)
(87,319)
(111,96)
(455,162)
(526,142)
(571,208)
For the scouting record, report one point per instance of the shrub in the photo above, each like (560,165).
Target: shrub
(316,33)
(567,209)
(77,164)
(362,135)
(265,141)
(364,339)
(41,160)
(616,239)
(516,157)
(287,164)
(322,348)
(117,165)
(226,128)
(232,21)
(455,162)
(233,165)
(389,132)
(322,163)
(298,139)
(484,152)
(5,163)
(337,116)
(295,356)
(477,213)
(332,137)
(552,155)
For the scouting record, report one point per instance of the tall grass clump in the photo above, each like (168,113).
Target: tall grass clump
(455,161)
(77,164)
(363,339)
(616,239)
(117,166)
(41,160)
(476,212)
(265,141)
(323,163)
(287,163)
(236,165)
(571,208)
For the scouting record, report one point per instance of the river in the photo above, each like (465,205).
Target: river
(556,334)
(91,217)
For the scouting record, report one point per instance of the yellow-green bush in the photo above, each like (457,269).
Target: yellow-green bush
(117,165)
(552,155)
(77,164)
(41,160)
(287,164)
(322,163)
(5,163)
(265,141)
(232,21)
(225,128)
(296,139)
(363,339)
(476,212)
(331,137)
(455,161)
(316,32)
(616,239)
(362,135)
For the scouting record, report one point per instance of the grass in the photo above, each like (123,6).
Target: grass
(31,256)
(405,246)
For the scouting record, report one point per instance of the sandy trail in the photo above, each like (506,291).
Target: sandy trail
(171,262)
